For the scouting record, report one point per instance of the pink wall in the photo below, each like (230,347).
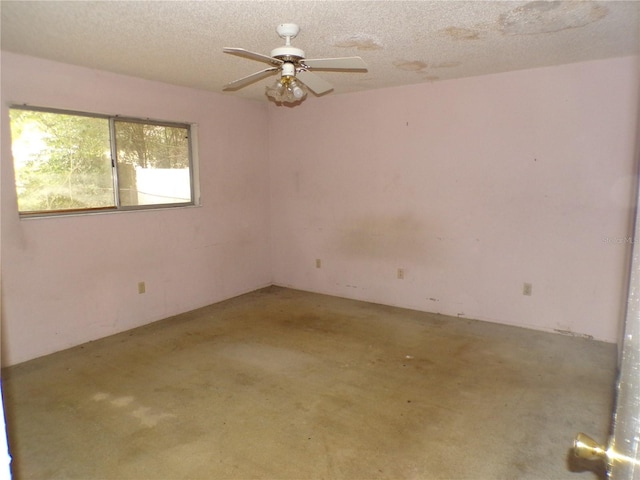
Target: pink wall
(69,280)
(473,187)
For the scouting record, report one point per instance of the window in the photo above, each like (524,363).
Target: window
(70,162)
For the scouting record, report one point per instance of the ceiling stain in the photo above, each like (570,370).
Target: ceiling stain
(359,42)
(431,78)
(461,33)
(410,66)
(446,65)
(550,16)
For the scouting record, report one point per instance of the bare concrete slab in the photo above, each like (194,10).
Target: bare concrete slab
(283,384)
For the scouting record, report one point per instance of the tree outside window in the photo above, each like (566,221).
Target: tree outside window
(68,162)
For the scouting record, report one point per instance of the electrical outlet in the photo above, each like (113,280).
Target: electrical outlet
(401,274)
(527,289)
(318,263)
(141,287)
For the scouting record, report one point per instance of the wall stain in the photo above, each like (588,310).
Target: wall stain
(550,16)
(399,236)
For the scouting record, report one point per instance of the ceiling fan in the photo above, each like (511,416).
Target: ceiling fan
(295,69)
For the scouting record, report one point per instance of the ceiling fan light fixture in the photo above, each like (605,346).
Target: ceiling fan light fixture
(287,90)
(290,61)
(297,89)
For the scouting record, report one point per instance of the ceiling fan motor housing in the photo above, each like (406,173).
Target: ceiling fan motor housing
(288,54)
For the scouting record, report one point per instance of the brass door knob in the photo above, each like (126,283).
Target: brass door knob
(587,448)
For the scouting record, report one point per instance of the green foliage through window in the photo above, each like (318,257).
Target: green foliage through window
(68,161)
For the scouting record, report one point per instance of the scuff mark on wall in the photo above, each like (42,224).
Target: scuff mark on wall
(548,17)
(573,334)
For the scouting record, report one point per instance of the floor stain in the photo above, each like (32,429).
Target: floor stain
(281,383)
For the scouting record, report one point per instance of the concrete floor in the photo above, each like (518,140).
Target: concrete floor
(283,384)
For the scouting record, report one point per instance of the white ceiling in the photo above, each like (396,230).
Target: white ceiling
(402,42)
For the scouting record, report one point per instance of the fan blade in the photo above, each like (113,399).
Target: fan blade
(254,77)
(316,84)
(241,52)
(343,63)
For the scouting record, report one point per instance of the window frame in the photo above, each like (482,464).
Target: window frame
(191,131)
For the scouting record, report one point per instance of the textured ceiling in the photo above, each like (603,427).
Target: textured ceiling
(402,42)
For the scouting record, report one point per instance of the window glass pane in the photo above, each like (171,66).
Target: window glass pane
(61,161)
(153,163)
